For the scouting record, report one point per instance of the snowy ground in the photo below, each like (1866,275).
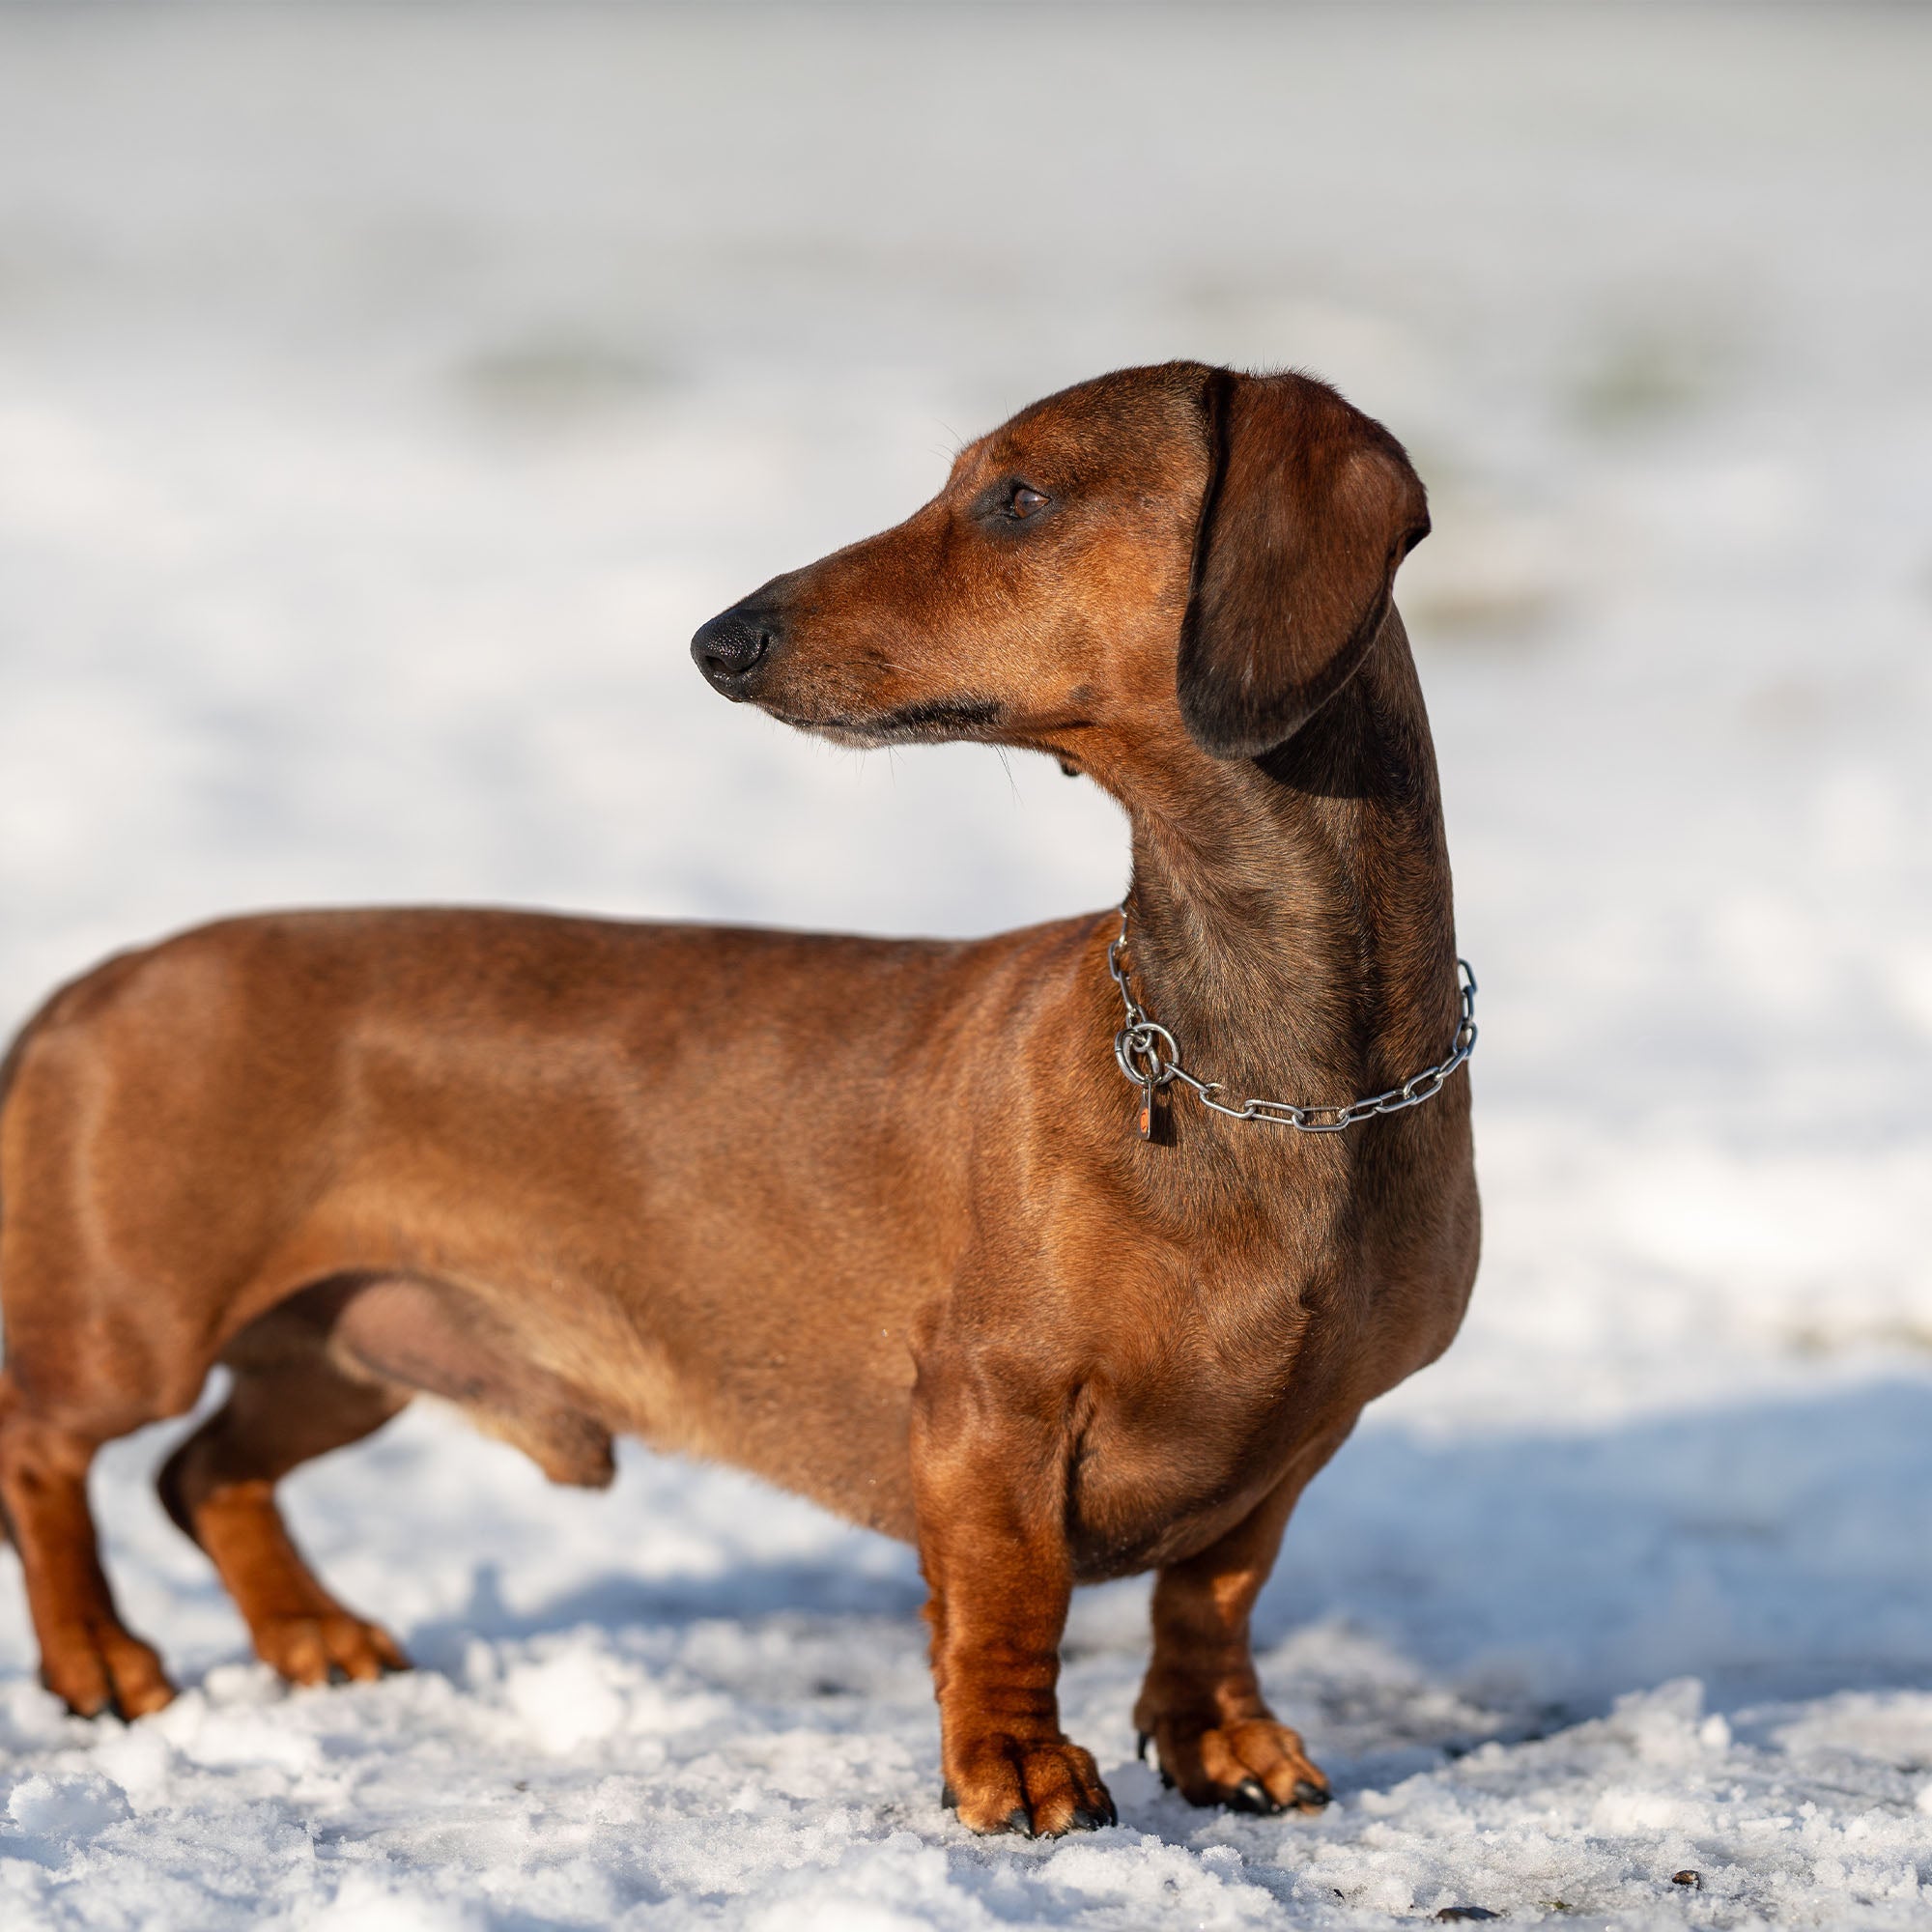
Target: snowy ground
(385,396)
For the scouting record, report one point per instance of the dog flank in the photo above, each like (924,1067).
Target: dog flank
(551,1168)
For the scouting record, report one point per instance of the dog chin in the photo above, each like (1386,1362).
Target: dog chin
(910,724)
(858,734)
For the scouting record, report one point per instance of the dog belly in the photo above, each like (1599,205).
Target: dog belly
(557,1360)
(805,1424)
(435,1340)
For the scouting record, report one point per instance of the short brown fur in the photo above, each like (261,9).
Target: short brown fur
(869,1218)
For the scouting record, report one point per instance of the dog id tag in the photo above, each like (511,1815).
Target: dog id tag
(1154,1122)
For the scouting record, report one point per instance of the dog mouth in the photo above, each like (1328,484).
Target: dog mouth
(933,722)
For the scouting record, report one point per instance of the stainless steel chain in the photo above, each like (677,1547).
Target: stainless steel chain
(1149,1056)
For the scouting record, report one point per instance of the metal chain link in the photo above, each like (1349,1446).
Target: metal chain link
(1150,1058)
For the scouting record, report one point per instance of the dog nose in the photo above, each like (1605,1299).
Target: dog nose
(732,645)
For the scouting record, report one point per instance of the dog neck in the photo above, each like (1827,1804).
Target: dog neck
(1292,922)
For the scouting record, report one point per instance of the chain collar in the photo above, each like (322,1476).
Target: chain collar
(1149,1056)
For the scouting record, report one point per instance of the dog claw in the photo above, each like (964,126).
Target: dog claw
(1253,1765)
(948,1797)
(128,1707)
(1031,1787)
(1142,1739)
(327,1646)
(122,1678)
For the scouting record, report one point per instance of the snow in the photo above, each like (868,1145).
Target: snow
(385,395)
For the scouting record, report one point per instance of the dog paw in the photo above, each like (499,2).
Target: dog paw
(315,1649)
(1252,1764)
(104,1668)
(1036,1787)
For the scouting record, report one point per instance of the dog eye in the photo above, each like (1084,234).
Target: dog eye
(1009,500)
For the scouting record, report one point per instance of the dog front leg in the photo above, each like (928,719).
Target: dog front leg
(992,1543)
(1201,1707)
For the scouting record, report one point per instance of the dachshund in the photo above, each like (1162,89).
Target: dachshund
(1066,1255)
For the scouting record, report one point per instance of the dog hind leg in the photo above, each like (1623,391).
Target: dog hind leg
(289,1403)
(89,1658)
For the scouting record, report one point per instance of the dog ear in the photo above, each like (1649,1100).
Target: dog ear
(1310,506)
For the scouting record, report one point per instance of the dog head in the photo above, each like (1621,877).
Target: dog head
(1161,559)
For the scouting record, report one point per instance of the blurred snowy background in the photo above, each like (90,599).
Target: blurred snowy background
(385,395)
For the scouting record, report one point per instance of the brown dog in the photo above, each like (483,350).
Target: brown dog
(872,1219)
